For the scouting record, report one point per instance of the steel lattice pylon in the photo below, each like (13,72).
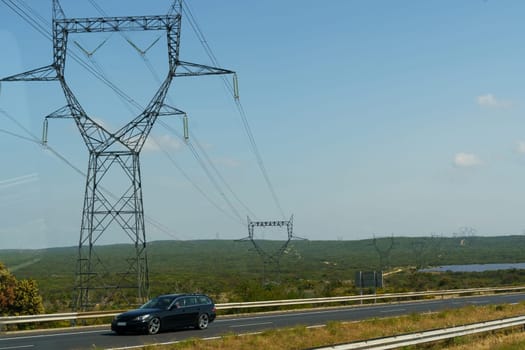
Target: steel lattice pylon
(271,258)
(113,153)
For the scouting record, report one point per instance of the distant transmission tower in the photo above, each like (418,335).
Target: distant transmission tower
(384,253)
(437,253)
(418,249)
(270,258)
(113,154)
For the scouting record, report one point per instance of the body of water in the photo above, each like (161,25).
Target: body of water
(475,267)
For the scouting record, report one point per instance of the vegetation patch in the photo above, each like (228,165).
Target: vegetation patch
(307,269)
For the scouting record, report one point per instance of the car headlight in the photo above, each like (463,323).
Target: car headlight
(142,318)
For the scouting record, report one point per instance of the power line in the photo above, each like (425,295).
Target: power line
(193,23)
(98,72)
(34,139)
(113,150)
(189,143)
(200,190)
(23,14)
(219,175)
(240,108)
(210,176)
(38,27)
(18,136)
(185,175)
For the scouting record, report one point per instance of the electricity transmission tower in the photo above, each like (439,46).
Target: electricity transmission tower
(113,155)
(418,248)
(384,253)
(270,258)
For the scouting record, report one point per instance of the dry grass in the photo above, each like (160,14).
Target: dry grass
(513,340)
(337,332)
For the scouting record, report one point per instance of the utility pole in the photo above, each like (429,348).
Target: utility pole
(113,154)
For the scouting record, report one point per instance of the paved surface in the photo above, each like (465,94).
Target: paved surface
(103,338)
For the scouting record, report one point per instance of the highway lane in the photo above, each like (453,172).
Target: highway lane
(103,338)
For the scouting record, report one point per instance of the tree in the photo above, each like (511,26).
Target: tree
(7,290)
(18,297)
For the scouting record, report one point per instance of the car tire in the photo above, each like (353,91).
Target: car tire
(153,326)
(203,321)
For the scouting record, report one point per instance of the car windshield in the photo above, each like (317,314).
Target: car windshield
(158,303)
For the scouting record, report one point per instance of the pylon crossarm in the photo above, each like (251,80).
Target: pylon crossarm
(47,73)
(188,69)
(167,110)
(116,24)
(61,113)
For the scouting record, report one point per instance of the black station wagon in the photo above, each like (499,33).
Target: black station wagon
(167,312)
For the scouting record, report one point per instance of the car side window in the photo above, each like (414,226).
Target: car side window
(179,302)
(203,300)
(164,303)
(190,301)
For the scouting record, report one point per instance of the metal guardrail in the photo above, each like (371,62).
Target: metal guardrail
(408,295)
(428,336)
(75,316)
(56,317)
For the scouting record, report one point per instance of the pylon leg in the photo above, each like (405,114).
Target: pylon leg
(124,214)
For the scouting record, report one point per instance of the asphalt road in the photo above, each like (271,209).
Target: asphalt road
(103,338)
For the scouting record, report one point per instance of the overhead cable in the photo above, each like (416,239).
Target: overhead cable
(192,149)
(232,90)
(34,139)
(97,72)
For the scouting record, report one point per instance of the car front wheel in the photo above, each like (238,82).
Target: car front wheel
(154,325)
(203,321)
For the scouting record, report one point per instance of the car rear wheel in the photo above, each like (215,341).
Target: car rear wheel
(203,321)
(154,325)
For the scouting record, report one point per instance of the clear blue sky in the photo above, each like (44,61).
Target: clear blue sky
(372,118)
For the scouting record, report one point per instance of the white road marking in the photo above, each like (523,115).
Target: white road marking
(298,314)
(212,338)
(391,311)
(250,324)
(18,347)
(51,335)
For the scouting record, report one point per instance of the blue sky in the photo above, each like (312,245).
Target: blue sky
(372,118)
